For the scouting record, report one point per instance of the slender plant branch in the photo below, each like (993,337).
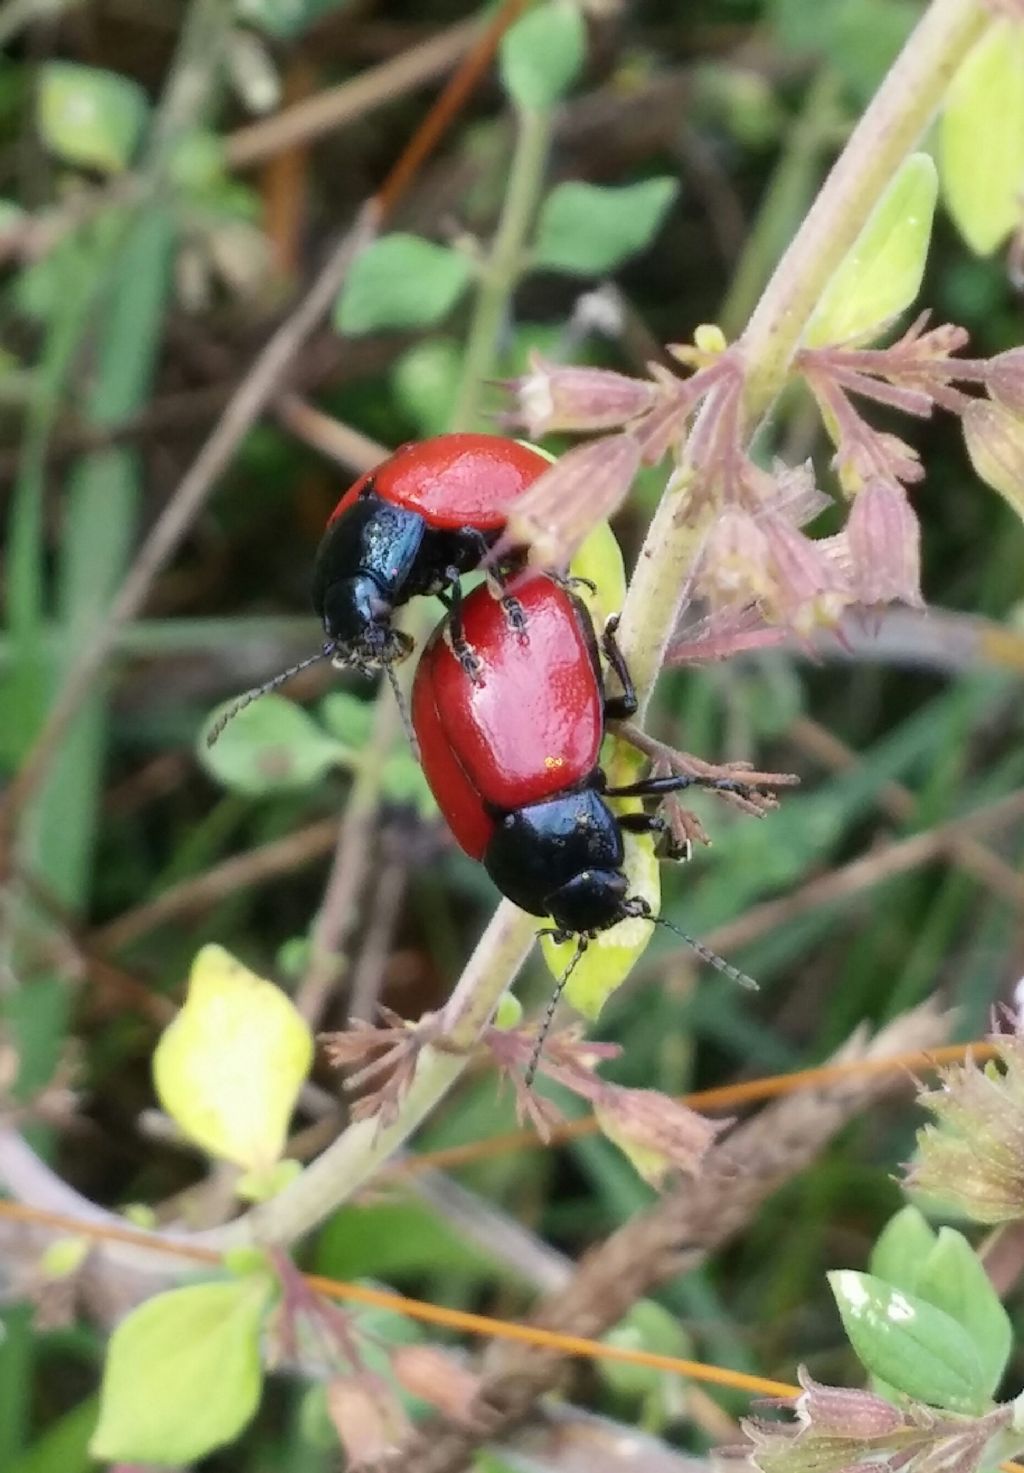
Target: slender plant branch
(502,269)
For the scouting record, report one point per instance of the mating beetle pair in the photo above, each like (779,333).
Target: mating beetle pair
(508,704)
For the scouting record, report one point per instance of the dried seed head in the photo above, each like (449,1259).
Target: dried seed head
(657,1133)
(586,486)
(1005,379)
(883,539)
(735,565)
(973,1155)
(368,1419)
(438,1377)
(995,443)
(553,397)
(808,588)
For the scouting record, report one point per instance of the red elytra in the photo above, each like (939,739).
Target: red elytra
(453,481)
(526,727)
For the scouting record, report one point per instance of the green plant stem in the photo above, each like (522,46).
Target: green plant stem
(501,271)
(785,201)
(898,114)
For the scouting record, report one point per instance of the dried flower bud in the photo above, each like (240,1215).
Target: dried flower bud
(808,587)
(586,486)
(1005,379)
(734,567)
(370,1424)
(883,539)
(437,1377)
(553,396)
(973,1156)
(995,443)
(657,1133)
(839,1431)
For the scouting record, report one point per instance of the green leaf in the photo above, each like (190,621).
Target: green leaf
(425,381)
(903,1246)
(272,746)
(286,19)
(347,718)
(909,1343)
(401,281)
(542,55)
(981,138)
(881,273)
(647,1326)
(230,1066)
(953,1279)
(183,1373)
(587,229)
(88,116)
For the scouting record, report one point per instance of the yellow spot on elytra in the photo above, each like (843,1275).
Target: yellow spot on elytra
(552,763)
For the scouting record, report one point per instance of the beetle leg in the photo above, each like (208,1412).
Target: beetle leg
(463,651)
(653,823)
(655,787)
(618,708)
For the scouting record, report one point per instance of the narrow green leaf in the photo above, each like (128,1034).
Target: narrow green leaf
(881,274)
(401,281)
(909,1343)
(953,1279)
(271,746)
(903,1246)
(588,229)
(542,54)
(88,116)
(183,1373)
(981,138)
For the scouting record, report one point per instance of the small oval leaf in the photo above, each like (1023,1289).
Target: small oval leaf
(909,1344)
(183,1373)
(230,1066)
(272,746)
(588,229)
(541,55)
(881,273)
(400,281)
(89,116)
(981,138)
(953,1278)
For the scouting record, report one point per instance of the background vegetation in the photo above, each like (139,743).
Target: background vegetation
(154,235)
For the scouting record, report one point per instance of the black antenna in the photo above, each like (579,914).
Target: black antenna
(403,709)
(706,954)
(549,1016)
(254,694)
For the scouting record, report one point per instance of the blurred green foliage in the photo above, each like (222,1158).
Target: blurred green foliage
(687,146)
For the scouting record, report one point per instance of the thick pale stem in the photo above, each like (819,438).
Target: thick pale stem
(895,119)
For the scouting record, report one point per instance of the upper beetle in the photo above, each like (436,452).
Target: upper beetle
(510,742)
(413,525)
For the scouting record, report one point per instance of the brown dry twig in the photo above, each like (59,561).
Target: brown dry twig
(673,1236)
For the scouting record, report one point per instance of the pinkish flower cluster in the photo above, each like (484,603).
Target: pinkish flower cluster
(754,554)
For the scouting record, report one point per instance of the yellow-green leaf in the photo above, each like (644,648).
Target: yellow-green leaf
(183,1373)
(230,1066)
(881,274)
(599,561)
(89,116)
(981,139)
(611,956)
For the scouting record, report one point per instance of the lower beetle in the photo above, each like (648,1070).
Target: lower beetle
(510,740)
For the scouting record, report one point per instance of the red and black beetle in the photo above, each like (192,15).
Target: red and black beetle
(413,525)
(510,743)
